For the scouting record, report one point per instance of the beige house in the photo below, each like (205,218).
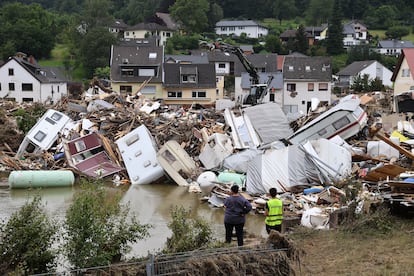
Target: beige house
(403,76)
(145,30)
(137,66)
(186,84)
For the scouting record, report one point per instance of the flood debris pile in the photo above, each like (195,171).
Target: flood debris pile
(135,140)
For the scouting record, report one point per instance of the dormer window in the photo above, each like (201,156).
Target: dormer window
(188,74)
(290,68)
(152,55)
(307,68)
(188,78)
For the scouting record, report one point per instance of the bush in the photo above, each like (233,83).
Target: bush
(26,241)
(27,118)
(97,229)
(188,234)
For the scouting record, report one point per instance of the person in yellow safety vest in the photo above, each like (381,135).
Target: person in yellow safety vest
(274,212)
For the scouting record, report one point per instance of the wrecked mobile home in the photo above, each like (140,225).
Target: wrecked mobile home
(140,142)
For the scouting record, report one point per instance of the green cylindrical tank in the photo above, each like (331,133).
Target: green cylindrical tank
(236,178)
(41,179)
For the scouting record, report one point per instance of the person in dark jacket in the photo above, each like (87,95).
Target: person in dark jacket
(236,208)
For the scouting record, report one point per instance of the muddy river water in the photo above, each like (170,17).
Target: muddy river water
(150,203)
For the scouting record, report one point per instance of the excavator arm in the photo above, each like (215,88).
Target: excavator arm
(257,90)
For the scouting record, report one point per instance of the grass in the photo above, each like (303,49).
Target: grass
(365,252)
(381,35)
(59,55)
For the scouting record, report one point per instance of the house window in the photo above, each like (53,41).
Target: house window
(27,100)
(188,78)
(125,89)
(11,72)
(405,72)
(146,72)
(222,65)
(173,94)
(241,27)
(27,87)
(11,86)
(0,86)
(323,86)
(199,94)
(291,86)
(311,86)
(39,136)
(232,28)
(223,29)
(127,72)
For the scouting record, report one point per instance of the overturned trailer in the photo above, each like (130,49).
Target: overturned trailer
(345,119)
(44,133)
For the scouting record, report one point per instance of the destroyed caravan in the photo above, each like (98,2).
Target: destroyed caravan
(44,133)
(345,119)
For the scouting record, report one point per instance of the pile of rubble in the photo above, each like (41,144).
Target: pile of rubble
(138,141)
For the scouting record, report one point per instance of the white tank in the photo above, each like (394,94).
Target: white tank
(206,181)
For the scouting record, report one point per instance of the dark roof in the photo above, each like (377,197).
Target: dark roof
(307,68)
(133,57)
(276,83)
(42,74)
(206,75)
(141,42)
(119,24)
(199,59)
(292,34)
(268,62)
(237,23)
(148,27)
(395,44)
(355,68)
(168,21)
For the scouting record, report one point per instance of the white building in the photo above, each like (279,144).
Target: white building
(372,68)
(22,80)
(304,79)
(237,27)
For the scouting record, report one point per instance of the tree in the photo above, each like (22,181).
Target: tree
(273,44)
(284,9)
(397,32)
(318,12)
(215,14)
(192,14)
(98,228)
(301,40)
(382,17)
(94,49)
(26,241)
(335,43)
(26,28)
(187,234)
